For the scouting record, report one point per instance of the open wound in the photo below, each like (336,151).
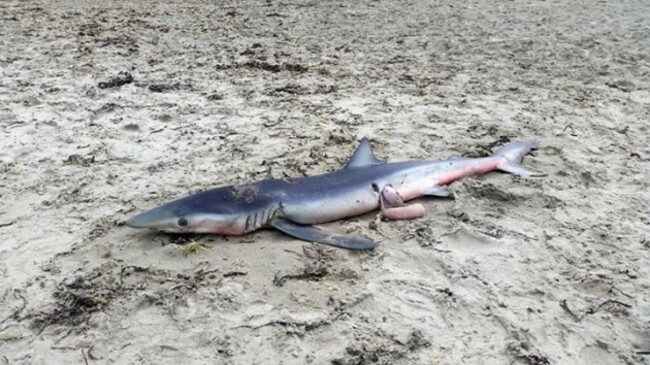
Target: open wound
(393,206)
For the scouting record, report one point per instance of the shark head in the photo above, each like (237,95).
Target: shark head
(164,218)
(192,214)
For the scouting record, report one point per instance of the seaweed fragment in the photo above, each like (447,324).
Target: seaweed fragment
(122,78)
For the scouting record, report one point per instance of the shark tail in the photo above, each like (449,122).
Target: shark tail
(511,154)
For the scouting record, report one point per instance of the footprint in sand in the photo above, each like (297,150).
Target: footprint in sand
(466,243)
(592,355)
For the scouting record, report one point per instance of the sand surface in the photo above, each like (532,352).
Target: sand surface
(552,269)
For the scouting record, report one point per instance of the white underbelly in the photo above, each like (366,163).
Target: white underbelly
(326,209)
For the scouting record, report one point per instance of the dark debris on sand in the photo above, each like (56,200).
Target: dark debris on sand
(382,349)
(78,298)
(317,265)
(122,79)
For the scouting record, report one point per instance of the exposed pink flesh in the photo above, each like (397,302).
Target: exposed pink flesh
(407,212)
(489,165)
(419,189)
(390,197)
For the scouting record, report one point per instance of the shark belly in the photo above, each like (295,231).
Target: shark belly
(327,208)
(323,203)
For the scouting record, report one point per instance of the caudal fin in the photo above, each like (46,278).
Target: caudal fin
(511,155)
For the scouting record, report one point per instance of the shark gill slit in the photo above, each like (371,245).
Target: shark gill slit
(260,218)
(270,213)
(264,217)
(248,225)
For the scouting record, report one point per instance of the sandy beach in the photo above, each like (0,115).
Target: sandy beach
(108,109)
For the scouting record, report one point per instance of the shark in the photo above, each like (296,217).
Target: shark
(295,206)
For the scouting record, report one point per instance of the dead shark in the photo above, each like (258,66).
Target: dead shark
(294,205)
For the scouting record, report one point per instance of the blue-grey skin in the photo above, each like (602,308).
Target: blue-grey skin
(292,205)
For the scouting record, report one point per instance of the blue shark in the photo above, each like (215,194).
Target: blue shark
(295,205)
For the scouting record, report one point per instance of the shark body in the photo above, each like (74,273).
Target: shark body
(294,205)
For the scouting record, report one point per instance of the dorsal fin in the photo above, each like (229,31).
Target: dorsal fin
(363,156)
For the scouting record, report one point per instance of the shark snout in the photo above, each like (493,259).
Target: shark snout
(137,222)
(141,220)
(156,218)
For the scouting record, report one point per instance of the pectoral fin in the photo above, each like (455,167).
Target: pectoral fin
(313,234)
(438,191)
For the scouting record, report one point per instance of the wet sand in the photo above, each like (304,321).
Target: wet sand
(110,109)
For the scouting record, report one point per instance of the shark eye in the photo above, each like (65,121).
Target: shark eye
(183,222)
